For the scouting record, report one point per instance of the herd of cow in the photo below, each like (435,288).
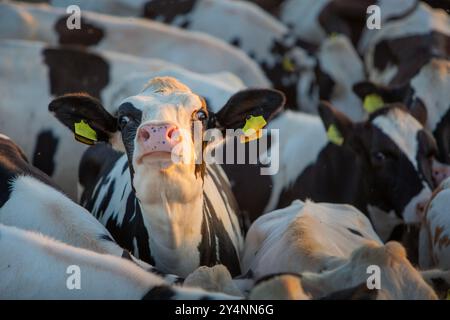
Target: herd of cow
(359,123)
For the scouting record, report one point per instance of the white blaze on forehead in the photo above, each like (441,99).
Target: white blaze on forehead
(163,98)
(402,129)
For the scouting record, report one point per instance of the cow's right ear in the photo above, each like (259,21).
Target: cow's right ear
(85,116)
(338,126)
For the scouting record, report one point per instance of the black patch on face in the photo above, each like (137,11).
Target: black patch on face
(442,135)
(44,152)
(72,70)
(13,163)
(88,35)
(215,236)
(167,10)
(410,54)
(159,293)
(129,131)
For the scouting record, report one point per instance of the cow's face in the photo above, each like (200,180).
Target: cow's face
(161,129)
(396,157)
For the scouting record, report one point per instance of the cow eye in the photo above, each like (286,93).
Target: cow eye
(123,121)
(378,158)
(200,115)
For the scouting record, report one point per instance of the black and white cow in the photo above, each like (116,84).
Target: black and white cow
(394,54)
(31,201)
(383,167)
(242,24)
(37,267)
(139,37)
(314,20)
(305,236)
(44,72)
(427,96)
(177,215)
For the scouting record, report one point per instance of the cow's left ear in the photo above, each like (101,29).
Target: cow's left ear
(252,102)
(85,116)
(338,126)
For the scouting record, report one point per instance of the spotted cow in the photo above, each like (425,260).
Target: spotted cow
(427,97)
(382,166)
(44,72)
(394,54)
(305,236)
(177,215)
(131,36)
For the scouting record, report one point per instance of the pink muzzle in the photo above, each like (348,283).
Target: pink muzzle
(160,137)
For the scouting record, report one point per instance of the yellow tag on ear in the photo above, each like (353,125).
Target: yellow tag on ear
(373,102)
(84,133)
(334,135)
(252,129)
(333,35)
(448,295)
(288,65)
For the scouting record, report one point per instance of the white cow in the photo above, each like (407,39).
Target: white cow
(372,271)
(305,236)
(37,267)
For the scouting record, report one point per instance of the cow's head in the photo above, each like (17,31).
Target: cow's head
(395,154)
(158,126)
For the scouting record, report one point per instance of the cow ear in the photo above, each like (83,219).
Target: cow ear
(252,102)
(338,126)
(85,117)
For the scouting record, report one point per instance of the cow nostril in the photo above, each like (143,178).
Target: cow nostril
(145,135)
(172,133)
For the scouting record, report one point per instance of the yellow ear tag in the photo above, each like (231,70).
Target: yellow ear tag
(373,102)
(84,133)
(288,65)
(252,129)
(333,35)
(448,295)
(334,135)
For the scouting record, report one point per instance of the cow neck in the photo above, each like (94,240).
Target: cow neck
(174,229)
